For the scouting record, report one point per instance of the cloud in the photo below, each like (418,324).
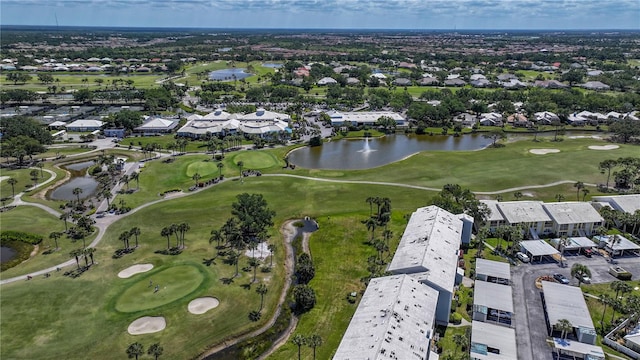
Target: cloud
(353,13)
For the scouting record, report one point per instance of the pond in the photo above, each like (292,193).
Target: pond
(79,179)
(272,65)
(370,153)
(6,254)
(227,74)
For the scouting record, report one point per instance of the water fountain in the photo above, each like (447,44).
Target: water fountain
(366,149)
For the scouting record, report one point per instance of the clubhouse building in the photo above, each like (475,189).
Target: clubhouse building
(219,122)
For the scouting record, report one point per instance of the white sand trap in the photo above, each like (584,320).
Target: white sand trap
(585,137)
(147,325)
(603,147)
(544,151)
(261,252)
(202,305)
(135,269)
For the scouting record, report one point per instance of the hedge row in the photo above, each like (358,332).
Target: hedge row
(10,235)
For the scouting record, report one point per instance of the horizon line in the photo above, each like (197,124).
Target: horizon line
(54,26)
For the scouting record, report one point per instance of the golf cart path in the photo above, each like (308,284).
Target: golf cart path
(104,223)
(427,188)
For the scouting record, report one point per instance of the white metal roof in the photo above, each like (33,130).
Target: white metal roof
(618,242)
(158,123)
(626,203)
(493,268)
(485,335)
(430,244)
(495,215)
(494,296)
(85,123)
(364,116)
(572,212)
(575,243)
(395,319)
(580,348)
(566,302)
(516,212)
(538,248)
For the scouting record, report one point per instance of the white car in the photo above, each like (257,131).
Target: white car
(522,257)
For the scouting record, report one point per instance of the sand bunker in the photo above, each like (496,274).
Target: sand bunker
(135,269)
(544,151)
(147,325)
(202,305)
(603,147)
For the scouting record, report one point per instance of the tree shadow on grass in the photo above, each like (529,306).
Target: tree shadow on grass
(227,281)
(172,251)
(246,286)
(122,252)
(76,272)
(209,262)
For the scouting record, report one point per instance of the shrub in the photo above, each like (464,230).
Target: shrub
(10,235)
(455,318)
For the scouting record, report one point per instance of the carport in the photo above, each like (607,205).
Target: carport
(538,249)
(618,245)
(578,244)
(570,349)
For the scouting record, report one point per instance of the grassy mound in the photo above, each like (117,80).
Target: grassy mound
(173,283)
(256,159)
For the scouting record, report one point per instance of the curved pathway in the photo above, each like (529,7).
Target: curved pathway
(288,232)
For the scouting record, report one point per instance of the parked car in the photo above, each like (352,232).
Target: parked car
(522,257)
(583,278)
(588,253)
(561,278)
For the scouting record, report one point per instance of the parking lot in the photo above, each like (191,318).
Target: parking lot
(529,317)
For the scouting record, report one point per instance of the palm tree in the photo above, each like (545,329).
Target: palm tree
(125,179)
(64,217)
(619,287)
(254,263)
(77,191)
(272,249)
(585,192)
(299,340)
(135,231)
(106,193)
(564,326)
(220,166)
(517,195)
(387,235)
(156,350)
(579,271)
(313,342)
(12,182)
(559,197)
(135,176)
(240,165)
(371,226)
(262,291)
(134,350)
(562,244)
(55,236)
(76,253)
(607,165)
(183,228)
(579,186)
(166,231)
(605,299)
(370,201)
(195,178)
(89,252)
(461,341)
(234,257)
(124,237)
(216,235)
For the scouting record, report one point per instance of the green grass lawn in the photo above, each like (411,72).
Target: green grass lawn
(74,81)
(80,318)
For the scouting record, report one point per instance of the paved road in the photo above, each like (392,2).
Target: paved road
(531,328)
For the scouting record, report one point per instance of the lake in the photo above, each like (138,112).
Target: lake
(227,74)
(365,154)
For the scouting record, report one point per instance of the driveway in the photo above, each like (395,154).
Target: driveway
(531,328)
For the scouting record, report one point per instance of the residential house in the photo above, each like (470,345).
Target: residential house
(491,119)
(155,126)
(595,85)
(85,125)
(546,118)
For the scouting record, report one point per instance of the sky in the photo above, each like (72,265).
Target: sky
(329,14)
